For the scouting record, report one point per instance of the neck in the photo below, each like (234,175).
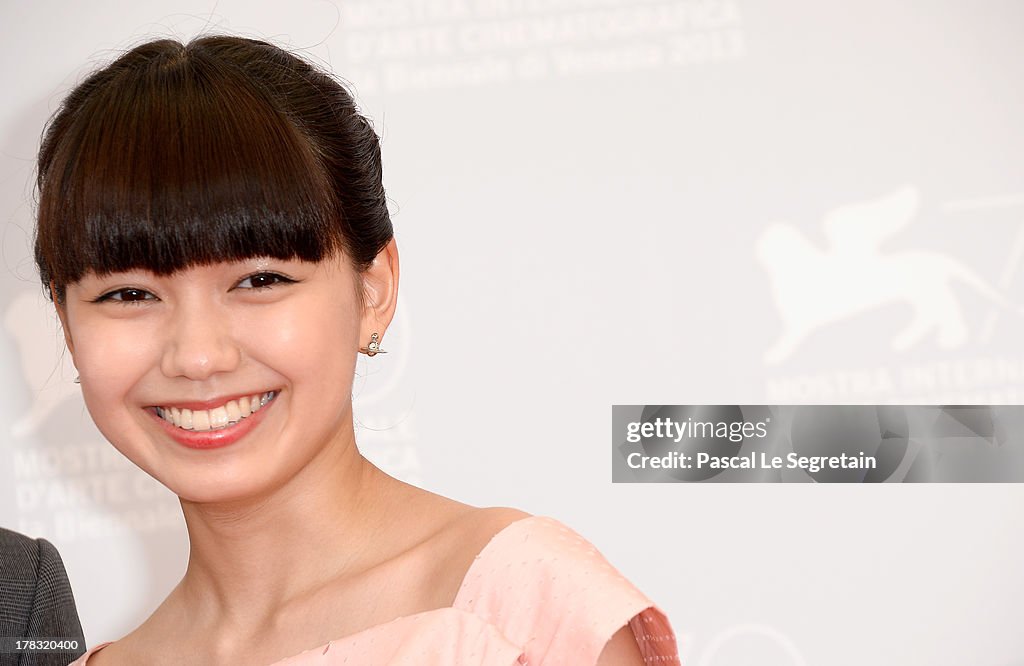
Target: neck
(251,557)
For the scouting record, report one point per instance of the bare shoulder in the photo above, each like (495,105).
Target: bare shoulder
(461,541)
(155,642)
(446,523)
(122,651)
(117,653)
(486,522)
(472,528)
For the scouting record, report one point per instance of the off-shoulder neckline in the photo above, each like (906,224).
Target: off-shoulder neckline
(500,535)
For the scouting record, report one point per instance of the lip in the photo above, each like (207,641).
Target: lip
(213,439)
(213,402)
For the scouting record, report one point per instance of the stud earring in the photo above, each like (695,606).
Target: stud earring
(78,379)
(373,348)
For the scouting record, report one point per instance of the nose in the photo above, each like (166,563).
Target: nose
(200,342)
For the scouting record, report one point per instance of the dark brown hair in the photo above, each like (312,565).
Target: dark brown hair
(223,148)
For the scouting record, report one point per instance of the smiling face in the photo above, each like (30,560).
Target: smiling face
(152,222)
(196,346)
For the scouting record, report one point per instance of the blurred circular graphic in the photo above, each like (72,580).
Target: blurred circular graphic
(753,645)
(831,430)
(690,446)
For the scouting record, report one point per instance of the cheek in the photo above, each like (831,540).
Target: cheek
(312,342)
(111,360)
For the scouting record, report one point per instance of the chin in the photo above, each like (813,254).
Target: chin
(193,483)
(215,492)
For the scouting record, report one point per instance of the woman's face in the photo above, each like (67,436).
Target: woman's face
(176,370)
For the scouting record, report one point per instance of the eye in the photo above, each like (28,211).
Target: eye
(127,296)
(263,281)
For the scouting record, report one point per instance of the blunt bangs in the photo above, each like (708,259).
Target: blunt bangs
(175,162)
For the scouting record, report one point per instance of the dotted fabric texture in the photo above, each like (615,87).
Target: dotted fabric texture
(538,594)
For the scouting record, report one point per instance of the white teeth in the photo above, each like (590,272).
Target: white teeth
(218,417)
(227,414)
(201,419)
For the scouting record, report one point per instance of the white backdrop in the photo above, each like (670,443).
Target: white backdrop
(603,202)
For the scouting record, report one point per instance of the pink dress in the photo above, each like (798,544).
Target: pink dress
(538,594)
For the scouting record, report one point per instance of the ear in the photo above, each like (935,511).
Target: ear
(380,293)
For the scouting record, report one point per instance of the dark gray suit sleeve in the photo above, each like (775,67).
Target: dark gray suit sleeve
(36,599)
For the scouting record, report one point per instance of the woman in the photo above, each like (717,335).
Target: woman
(215,236)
